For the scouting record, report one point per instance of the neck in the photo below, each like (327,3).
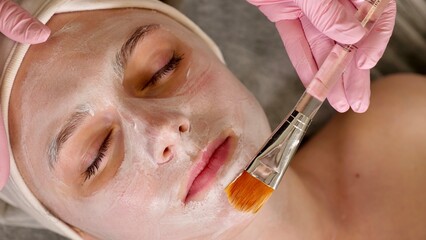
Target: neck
(292,212)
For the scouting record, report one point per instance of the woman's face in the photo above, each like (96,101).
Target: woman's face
(133,138)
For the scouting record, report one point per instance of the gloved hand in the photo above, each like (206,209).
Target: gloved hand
(18,25)
(310,28)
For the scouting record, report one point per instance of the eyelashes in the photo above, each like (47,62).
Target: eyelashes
(172,65)
(93,168)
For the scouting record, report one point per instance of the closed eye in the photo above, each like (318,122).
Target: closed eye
(172,65)
(93,168)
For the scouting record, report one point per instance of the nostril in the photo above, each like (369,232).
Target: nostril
(167,154)
(184,128)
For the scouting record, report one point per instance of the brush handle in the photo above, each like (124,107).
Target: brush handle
(271,162)
(337,61)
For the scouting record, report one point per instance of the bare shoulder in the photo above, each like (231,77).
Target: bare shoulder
(370,169)
(400,92)
(396,117)
(382,155)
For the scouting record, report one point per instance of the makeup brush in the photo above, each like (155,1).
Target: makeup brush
(253,187)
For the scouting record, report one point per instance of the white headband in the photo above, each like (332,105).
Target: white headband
(16,192)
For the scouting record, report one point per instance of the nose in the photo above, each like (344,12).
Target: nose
(172,139)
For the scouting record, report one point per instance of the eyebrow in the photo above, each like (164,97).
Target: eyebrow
(66,132)
(122,56)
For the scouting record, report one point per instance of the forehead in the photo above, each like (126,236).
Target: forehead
(82,45)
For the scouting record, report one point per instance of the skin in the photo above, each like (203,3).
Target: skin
(338,187)
(362,175)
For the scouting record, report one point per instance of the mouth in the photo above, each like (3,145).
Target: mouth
(213,158)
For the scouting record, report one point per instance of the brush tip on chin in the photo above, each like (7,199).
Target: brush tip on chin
(248,194)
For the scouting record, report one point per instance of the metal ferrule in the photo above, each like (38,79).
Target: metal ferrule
(273,159)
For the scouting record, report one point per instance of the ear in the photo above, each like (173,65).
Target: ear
(84,235)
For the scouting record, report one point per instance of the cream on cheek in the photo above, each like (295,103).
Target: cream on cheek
(146,197)
(149,205)
(150,198)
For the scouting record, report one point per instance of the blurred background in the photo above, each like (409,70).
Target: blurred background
(254,52)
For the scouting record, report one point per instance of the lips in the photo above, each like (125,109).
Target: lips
(204,172)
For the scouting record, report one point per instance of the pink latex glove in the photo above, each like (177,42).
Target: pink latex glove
(18,25)
(310,28)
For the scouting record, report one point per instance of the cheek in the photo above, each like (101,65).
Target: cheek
(225,97)
(129,209)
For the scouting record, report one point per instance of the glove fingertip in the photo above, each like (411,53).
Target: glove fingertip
(341,106)
(337,97)
(37,33)
(338,101)
(44,35)
(357,88)
(360,106)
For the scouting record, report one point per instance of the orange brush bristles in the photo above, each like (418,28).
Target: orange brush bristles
(247,193)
